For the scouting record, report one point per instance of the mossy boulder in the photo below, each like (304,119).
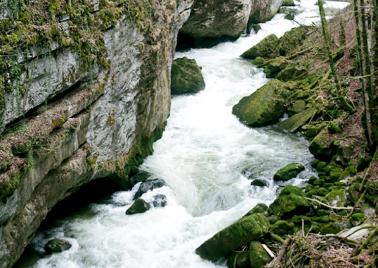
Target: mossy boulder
(295,122)
(222,244)
(267,48)
(186,77)
(259,183)
(293,39)
(297,107)
(274,66)
(258,257)
(281,227)
(289,202)
(139,206)
(259,208)
(336,197)
(288,3)
(239,260)
(57,245)
(292,72)
(322,146)
(263,107)
(288,172)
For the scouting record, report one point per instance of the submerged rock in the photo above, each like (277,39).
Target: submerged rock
(263,107)
(160,200)
(222,244)
(148,185)
(258,257)
(266,48)
(288,3)
(139,206)
(288,172)
(259,183)
(57,245)
(186,76)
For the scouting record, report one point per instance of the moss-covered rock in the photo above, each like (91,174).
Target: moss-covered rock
(139,206)
(186,76)
(288,172)
(274,66)
(239,260)
(267,48)
(289,202)
(231,238)
(295,122)
(259,208)
(322,146)
(258,257)
(297,107)
(281,227)
(336,197)
(292,72)
(265,106)
(293,39)
(57,245)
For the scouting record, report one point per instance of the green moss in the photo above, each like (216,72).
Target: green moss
(267,48)
(22,149)
(186,76)
(222,244)
(238,260)
(258,257)
(337,197)
(293,39)
(263,107)
(322,146)
(295,122)
(9,184)
(288,172)
(282,227)
(259,208)
(288,3)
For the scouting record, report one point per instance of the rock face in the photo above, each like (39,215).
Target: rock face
(186,76)
(212,21)
(98,86)
(222,244)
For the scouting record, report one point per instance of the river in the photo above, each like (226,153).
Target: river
(205,156)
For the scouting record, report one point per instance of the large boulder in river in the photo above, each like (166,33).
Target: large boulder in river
(139,206)
(212,21)
(288,172)
(265,106)
(222,244)
(186,77)
(264,10)
(148,185)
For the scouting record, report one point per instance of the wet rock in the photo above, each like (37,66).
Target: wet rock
(186,77)
(295,122)
(57,245)
(263,107)
(292,72)
(288,172)
(140,176)
(259,183)
(258,257)
(139,206)
(289,202)
(148,185)
(160,200)
(222,244)
(297,107)
(293,38)
(268,47)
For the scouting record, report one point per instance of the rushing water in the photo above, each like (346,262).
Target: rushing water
(205,156)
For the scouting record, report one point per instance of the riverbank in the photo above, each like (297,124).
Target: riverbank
(309,226)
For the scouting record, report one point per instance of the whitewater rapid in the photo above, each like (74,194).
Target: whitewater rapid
(205,157)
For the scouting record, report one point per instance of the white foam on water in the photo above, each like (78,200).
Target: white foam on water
(205,156)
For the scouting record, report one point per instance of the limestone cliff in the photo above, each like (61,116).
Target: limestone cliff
(84,91)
